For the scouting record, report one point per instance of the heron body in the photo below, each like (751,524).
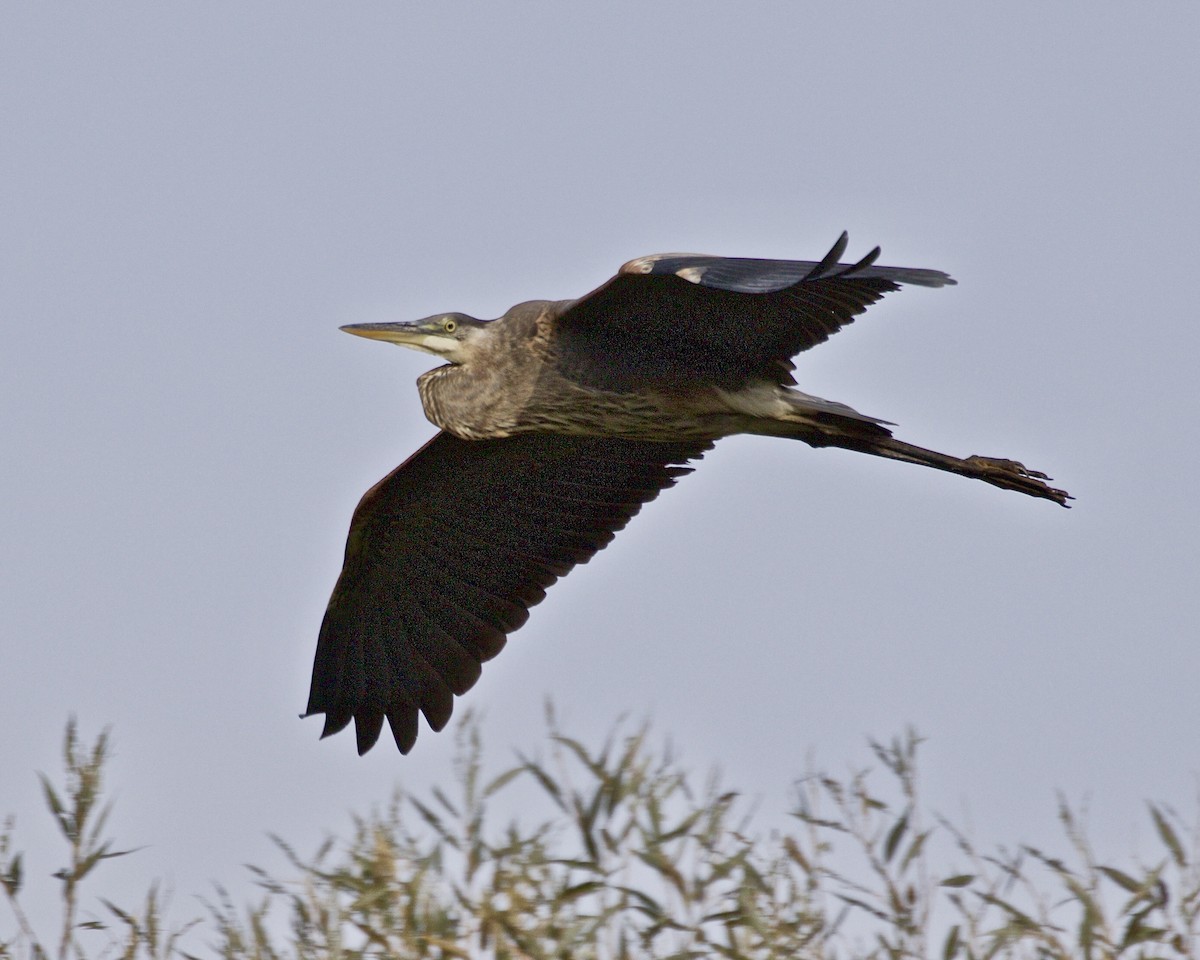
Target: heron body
(512,381)
(558,421)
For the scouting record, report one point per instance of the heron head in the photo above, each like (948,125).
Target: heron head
(444,335)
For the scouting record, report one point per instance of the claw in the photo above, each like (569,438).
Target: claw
(1016,476)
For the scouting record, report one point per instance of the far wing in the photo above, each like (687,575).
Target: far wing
(447,553)
(685,319)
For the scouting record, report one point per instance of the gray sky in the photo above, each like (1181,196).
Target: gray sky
(194,197)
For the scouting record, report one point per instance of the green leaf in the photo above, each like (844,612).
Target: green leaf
(13,877)
(895,835)
(1123,880)
(447,947)
(723,916)
(647,904)
(914,849)
(863,905)
(793,850)
(958,880)
(434,821)
(654,859)
(117,911)
(547,783)
(1168,836)
(581,754)
(441,798)
(52,801)
(684,827)
(501,781)
(1137,932)
(950,948)
(579,890)
(1018,919)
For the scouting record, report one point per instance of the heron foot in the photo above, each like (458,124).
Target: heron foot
(1012,475)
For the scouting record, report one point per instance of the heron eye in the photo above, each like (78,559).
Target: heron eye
(449,325)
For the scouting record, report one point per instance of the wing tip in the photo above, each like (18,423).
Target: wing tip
(368,724)
(828,262)
(865,268)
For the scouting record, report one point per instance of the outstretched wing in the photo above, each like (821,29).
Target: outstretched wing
(675,320)
(447,553)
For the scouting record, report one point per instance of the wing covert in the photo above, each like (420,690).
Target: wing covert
(446,554)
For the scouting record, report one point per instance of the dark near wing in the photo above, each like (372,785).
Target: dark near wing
(674,320)
(447,553)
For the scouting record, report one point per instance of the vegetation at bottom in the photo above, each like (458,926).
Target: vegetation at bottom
(621,852)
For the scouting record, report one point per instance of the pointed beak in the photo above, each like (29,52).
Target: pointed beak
(402,332)
(423,335)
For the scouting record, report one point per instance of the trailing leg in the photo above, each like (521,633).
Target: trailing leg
(1007,474)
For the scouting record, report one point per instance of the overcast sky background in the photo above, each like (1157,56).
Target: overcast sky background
(194,197)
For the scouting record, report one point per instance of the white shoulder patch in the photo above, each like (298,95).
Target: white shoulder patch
(646,264)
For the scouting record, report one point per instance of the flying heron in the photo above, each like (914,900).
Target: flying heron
(558,421)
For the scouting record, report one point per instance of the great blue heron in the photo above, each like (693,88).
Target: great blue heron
(558,421)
